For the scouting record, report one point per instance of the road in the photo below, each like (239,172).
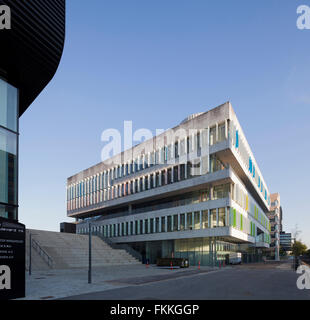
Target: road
(248,282)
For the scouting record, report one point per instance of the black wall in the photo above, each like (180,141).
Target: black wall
(31,51)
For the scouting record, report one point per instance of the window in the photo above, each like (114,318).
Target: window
(197,220)
(205,219)
(141,226)
(221,191)
(189,221)
(163,178)
(169,176)
(169,224)
(213,221)
(182,221)
(182,172)
(176,150)
(157,180)
(221,134)
(175,174)
(151,225)
(157,225)
(163,224)
(212,136)
(136,227)
(175,222)
(222,219)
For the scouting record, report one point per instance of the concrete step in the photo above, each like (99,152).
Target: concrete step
(71,251)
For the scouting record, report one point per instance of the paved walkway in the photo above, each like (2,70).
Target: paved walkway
(55,284)
(248,282)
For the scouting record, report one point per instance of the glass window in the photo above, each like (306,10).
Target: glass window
(189,221)
(8,212)
(197,220)
(221,136)
(8,106)
(205,219)
(157,225)
(221,191)
(182,221)
(175,222)
(212,136)
(222,217)
(151,225)
(136,227)
(213,218)
(163,224)
(8,167)
(169,225)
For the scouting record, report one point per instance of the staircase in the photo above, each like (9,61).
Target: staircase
(54,250)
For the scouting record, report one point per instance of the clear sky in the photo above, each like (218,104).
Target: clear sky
(156,62)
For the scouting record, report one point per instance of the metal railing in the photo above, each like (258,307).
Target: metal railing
(35,245)
(122,246)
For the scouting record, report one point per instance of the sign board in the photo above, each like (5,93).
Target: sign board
(12,259)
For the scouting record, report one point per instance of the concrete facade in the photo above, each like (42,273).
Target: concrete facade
(194,191)
(275,217)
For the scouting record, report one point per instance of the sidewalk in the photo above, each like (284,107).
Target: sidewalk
(55,284)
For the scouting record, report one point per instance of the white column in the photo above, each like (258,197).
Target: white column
(226,129)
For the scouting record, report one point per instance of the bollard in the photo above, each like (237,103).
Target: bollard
(171,265)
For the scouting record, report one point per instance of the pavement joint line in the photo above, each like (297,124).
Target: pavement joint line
(167,279)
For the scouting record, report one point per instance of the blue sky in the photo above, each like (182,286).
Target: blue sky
(156,62)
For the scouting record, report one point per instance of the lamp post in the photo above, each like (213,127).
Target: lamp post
(30,245)
(89,254)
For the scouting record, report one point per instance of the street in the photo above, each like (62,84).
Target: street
(249,282)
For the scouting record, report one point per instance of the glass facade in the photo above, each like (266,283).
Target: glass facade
(8,150)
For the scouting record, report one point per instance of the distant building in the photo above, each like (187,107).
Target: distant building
(66,227)
(286,241)
(195,192)
(275,217)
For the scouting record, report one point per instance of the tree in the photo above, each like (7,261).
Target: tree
(299,248)
(283,253)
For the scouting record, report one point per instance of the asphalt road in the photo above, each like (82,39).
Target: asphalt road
(252,282)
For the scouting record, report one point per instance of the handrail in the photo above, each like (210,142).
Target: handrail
(35,245)
(122,246)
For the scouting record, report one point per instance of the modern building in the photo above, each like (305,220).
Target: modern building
(286,241)
(32,40)
(29,57)
(194,191)
(66,227)
(275,217)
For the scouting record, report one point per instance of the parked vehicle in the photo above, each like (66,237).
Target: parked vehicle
(235,258)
